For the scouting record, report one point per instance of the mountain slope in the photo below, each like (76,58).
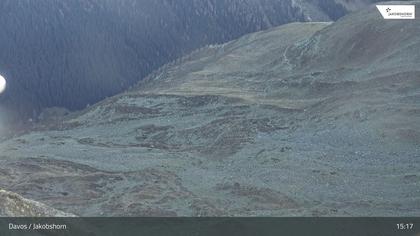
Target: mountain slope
(74,53)
(307,119)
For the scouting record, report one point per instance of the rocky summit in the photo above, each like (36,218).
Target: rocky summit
(306,119)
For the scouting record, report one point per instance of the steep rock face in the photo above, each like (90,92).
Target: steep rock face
(73,53)
(284,122)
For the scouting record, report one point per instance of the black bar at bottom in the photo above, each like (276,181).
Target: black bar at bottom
(259,226)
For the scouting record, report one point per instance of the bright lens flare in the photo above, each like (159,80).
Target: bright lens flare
(2,84)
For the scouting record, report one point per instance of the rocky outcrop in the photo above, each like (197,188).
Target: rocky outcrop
(14,205)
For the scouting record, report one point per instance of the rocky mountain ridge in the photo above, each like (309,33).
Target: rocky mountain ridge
(74,53)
